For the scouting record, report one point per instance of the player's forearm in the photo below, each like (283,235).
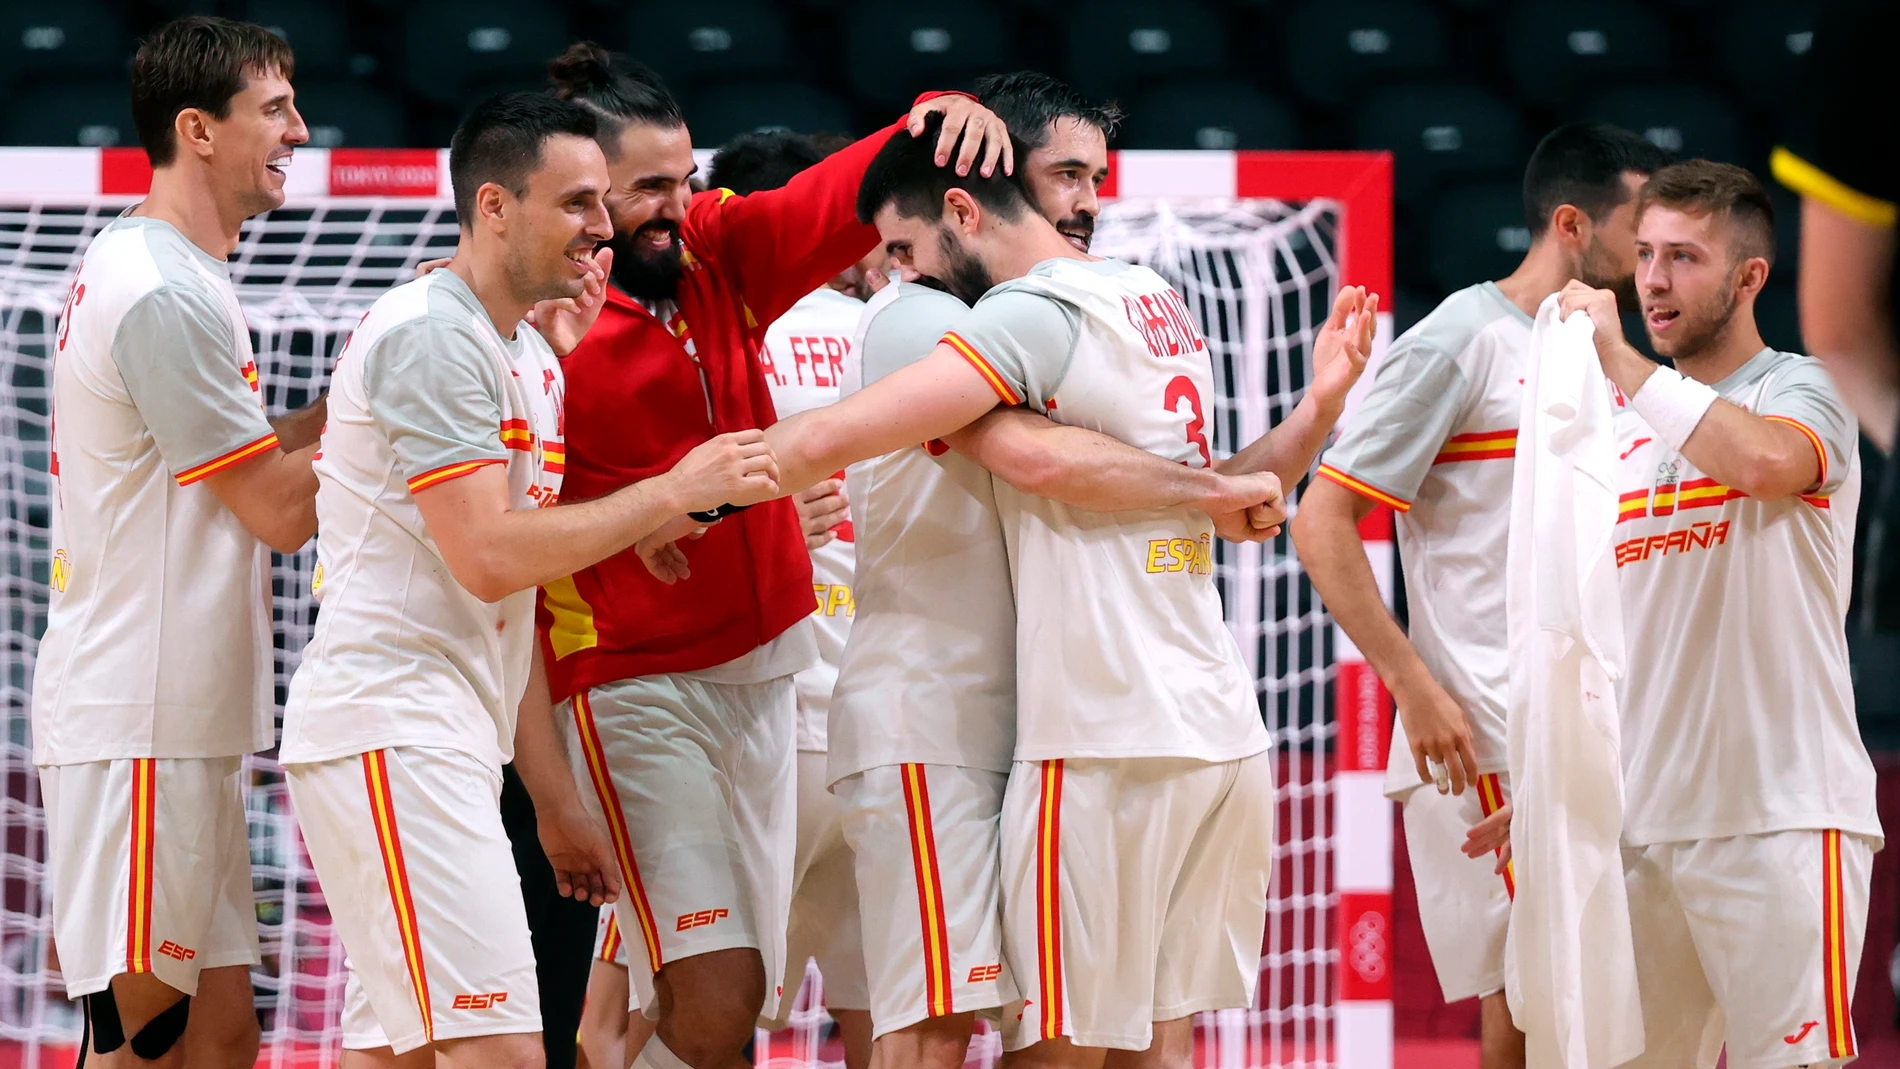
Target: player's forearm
(1760,457)
(1326,535)
(274,495)
(540,747)
(1076,466)
(526,548)
(1289,449)
(301,428)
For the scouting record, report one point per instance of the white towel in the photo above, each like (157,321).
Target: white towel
(1570,967)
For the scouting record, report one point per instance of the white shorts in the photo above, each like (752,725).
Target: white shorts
(824,921)
(150,865)
(608,946)
(695,783)
(1134,891)
(421,883)
(1464,905)
(927,844)
(1753,940)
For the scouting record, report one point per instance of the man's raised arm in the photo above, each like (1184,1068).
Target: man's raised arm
(781,244)
(1340,352)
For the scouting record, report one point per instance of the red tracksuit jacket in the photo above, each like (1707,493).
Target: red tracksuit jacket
(635,406)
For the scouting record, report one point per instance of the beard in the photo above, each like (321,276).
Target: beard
(642,272)
(1600,270)
(965,276)
(1701,329)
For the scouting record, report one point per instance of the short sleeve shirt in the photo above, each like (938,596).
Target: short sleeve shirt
(158,639)
(1434,439)
(1739,608)
(427,391)
(929,673)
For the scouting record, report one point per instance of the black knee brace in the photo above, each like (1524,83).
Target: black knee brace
(154,1041)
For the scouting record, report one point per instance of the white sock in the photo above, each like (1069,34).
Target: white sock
(655,1056)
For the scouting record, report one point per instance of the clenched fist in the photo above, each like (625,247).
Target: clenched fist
(732,469)
(1246,508)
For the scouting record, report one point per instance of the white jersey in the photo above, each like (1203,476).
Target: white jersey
(1434,439)
(158,634)
(929,676)
(1738,710)
(426,391)
(1121,649)
(804,358)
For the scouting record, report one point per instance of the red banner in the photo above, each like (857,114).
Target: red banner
(384,172)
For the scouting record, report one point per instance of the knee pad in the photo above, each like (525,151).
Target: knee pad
(154,1041)
(161,1033)
(102,1024)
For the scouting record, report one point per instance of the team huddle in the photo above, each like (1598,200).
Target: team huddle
(576,489)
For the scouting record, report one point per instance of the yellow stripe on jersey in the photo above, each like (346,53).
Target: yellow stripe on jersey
(1704,493)
(983,368)
(1632,506)
(1364,489)
(1480,445)
(236,456)
(438,476)
(1810,181)
(571,626)
(515,434)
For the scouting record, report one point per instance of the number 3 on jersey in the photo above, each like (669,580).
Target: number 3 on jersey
(1181,386)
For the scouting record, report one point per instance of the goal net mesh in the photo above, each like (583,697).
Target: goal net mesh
(1259,274)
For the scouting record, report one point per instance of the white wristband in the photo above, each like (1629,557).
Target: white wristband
(1672,405)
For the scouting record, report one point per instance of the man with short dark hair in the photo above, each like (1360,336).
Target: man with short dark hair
(1134,720)
(684,685)
(438,484)
(1749,821)
(1433,440)
(172,487)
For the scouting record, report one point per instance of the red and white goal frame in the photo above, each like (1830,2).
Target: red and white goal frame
(1360,182)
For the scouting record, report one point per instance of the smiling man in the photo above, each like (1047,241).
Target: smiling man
(439,479)
(1749,826)
(683,689)
(154,677)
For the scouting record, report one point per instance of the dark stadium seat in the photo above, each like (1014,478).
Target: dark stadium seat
(1435,131)
(318,32)
(1475,232)
(454,49)
(716,113)
(1116,46)
(895,51)
(80,111)
(1762,49)
(64,36)
(1688,120)
(1216,114)
(1334,51)
(350,114)
(684,42)
(1553,49)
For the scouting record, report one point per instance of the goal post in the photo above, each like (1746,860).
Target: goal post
(1258,243)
